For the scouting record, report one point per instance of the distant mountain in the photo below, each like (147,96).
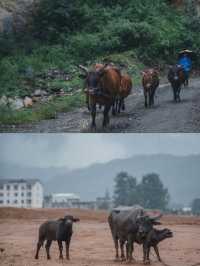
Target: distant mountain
(17,171)
(180,174)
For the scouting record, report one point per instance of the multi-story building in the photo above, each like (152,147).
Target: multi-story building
(21,193)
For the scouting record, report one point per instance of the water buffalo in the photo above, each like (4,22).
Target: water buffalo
(152,239)
(150,82)
(59,230)
(102,87)
(127,224)
(176,77)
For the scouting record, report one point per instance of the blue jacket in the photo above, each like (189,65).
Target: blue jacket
(186,63)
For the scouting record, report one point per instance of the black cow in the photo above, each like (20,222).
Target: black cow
(177,78)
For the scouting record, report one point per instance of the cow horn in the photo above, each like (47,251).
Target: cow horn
(83,68)
(154,218)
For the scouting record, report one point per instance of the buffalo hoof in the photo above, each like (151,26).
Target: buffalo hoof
(48,258)
(36,257)
(61,257)
(147,262)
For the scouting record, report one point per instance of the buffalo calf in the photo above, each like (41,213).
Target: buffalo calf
(59,230)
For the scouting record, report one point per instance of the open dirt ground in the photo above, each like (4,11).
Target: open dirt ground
(91,243)
(165,116)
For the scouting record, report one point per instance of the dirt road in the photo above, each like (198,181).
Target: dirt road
(165,116)
(92,243)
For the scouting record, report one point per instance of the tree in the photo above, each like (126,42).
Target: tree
(196,206)
(152,193)
(125,192)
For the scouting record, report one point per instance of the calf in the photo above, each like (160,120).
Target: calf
(152,239)
(177,78)
(59,230)
(150,82)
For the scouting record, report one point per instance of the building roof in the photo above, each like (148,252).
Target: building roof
(65,195)
(19,180)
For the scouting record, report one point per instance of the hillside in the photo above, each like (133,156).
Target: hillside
(59,35)
(179,174)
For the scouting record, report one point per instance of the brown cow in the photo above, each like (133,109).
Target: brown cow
(150,82)
(102,87)
(125,90)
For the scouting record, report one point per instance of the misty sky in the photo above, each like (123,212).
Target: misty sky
(79,150)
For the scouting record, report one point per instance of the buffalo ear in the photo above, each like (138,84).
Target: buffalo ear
(76,220)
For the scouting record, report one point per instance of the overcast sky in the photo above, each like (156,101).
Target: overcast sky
(79,150)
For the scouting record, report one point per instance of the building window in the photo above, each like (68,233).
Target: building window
(29,194)
(8,187)
(22,194)
(29,186)
(22,187)
(15,187)
(16,194)
(15,201)
(8,201)
(29,201)
(1,186)
(1,201)
(22,201)
(1,194)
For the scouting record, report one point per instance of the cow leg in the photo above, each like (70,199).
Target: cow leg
(93,113)
(47,246)
(106,115)
(174,91)
(60,249)
(146,251)
(130,242)
(114,107)
(88,102)
(123,105)
(67,243)
(122,250)
(39,244)
(116,248)
(157,252)
(145,98)
(178,96)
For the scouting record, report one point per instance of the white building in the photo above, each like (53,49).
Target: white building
(21,193)
(65,200)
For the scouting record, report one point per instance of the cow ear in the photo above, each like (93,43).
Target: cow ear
(76,220)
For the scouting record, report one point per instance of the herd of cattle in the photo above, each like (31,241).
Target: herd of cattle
(128,225)
(107,86)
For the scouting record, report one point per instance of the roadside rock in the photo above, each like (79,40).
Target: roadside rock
(39,92)
(28,102)
(16,103)
(3,101)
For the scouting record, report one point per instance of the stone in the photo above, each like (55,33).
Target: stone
(28,102)
(16,103)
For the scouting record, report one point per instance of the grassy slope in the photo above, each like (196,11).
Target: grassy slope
(65,103)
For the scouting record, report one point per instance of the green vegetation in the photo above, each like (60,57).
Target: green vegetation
(61,34)
(149,193)
(41,110)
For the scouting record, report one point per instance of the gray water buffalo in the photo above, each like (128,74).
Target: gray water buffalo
(59,230)
(128,224)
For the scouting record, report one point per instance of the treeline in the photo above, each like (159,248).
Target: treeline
(149,193)
(154,29)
